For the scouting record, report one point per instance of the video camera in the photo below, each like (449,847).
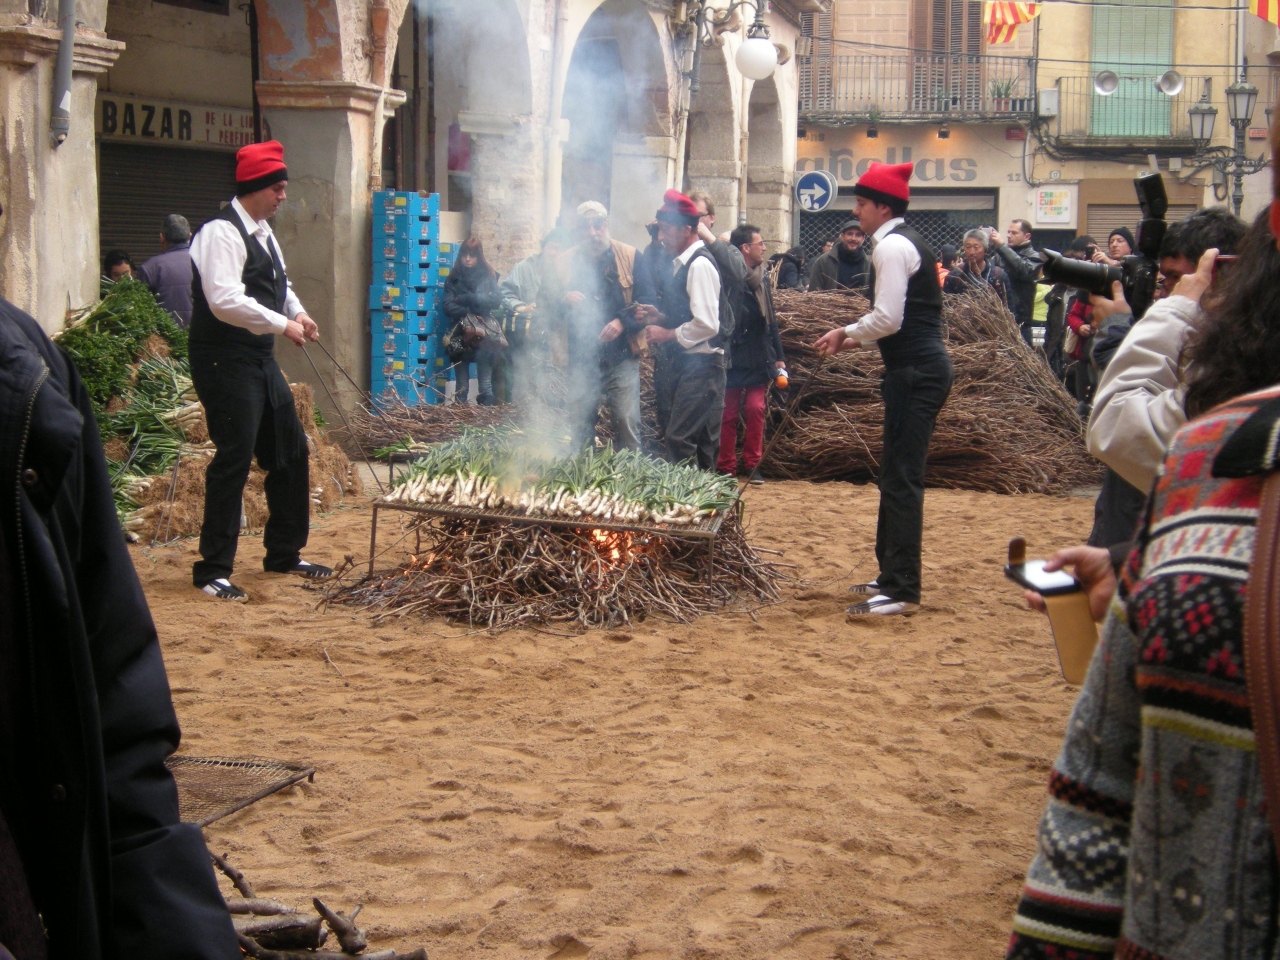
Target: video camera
(1137,272)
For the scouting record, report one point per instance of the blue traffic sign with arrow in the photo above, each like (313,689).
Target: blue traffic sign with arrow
(816,190)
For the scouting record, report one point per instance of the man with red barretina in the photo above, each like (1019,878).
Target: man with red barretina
(241,301)
(905,322)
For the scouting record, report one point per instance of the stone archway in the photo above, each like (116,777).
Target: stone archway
(768,180)
(713,150)
(617,101)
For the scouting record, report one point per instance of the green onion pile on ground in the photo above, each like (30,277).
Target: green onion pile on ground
(501,468)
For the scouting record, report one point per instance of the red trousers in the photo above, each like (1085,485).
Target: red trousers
(753,441)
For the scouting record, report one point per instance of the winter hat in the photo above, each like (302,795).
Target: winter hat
(592,208)
(851,225)
(258,166)
(888,184)
(1123,232)
(678,209)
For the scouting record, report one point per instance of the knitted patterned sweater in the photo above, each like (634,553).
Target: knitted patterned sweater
(1154,842)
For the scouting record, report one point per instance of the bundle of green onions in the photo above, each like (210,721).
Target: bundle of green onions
(501,469)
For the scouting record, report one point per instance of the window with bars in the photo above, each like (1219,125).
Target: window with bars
(947,67)
(816,85)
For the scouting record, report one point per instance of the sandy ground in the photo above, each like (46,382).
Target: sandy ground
(779,785)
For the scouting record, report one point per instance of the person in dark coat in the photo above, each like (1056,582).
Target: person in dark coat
(472,289)
(790,269)
(1022,264)
(845,266)
(756,355)
(91,848)
(168,274)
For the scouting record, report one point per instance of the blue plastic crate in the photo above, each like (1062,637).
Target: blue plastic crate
(403,346)
(446,252)
(410,228)
(402,250)
(405,204)
(403,321)
(395,274)
(419,300)
(406,390)
(383,367)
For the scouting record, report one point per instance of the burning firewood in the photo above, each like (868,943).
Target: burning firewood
(497,574)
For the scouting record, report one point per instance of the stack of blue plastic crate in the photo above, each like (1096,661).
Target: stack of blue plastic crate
(410,265)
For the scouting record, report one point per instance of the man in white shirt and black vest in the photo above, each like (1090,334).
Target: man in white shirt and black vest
(905,322)
(241,300)
(689,369)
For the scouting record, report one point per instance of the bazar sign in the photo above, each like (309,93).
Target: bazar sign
(846,166)
(138,119)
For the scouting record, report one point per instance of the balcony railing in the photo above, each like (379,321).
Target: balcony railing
(1136,112)
(916,86)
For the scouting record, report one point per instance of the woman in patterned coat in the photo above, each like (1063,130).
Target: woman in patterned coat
(1154,842)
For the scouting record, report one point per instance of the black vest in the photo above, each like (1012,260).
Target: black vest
(921,334)
(677,308)
(264,280)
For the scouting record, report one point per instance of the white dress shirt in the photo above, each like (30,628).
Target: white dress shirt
(219,254)
(896,261)
(704,302)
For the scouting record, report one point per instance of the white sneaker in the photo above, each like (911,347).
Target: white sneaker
(882,606)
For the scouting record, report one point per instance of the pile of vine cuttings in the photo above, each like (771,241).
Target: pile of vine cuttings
(132,357)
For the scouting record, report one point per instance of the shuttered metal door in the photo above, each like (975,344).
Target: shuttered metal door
(138,186)
(1105,217)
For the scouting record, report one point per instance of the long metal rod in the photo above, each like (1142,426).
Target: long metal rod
(347,423)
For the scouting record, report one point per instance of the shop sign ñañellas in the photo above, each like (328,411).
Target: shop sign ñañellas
(166,123)
(848,167)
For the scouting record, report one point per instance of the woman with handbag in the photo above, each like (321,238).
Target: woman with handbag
(471,296)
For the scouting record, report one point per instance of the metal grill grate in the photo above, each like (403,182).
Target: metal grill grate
(210,788)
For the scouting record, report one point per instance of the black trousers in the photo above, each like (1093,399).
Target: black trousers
(1117,511)
(912,395)
(693,384)
(250,412)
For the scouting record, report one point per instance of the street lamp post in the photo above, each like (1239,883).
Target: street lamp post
(1230,163)
(756,59)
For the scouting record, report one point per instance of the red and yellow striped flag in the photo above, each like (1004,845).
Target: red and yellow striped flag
(1268,10)
(1005,16)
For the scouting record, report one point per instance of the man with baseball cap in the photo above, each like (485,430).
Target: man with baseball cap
(690,327)
(241,300)
(905,322)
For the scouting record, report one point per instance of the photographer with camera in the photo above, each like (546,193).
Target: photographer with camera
(1023,263)
(1140,397)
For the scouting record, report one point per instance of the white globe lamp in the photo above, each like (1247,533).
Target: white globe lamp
(757,58)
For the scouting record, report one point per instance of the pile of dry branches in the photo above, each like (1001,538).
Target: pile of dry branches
(271,930)
(1009,426)
(391,420)
(500,575)
(172,505)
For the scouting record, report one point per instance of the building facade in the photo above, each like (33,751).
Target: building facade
(513,110)
(1018,129)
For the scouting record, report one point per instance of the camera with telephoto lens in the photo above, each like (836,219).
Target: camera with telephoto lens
(1136,272)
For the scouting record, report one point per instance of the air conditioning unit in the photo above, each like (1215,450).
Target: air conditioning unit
(1047,102)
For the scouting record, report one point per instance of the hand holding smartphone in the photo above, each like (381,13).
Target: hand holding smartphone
(1074,632)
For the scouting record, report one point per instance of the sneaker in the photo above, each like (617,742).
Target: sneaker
(312,571)
(882,606)
(865,590)
(757,478)
(224,589)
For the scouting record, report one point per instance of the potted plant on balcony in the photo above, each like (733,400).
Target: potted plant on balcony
(1002,90)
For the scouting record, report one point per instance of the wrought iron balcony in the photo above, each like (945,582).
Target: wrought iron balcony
(862,89)
(1136,114)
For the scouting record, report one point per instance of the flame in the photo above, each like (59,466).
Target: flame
(611,545)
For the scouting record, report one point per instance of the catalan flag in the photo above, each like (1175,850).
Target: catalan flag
(1268,10)
(1005,16)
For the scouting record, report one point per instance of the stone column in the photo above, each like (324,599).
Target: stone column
(642,172)
(49,230)
(325,226)
(506,179)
